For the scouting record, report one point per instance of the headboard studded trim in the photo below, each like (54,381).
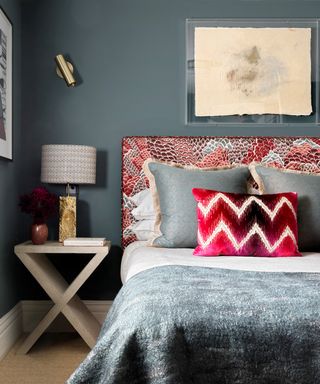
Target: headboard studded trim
(295,153)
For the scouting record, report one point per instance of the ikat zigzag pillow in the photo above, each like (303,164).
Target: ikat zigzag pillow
(246,225)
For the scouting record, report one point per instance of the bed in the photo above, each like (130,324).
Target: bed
(229,319)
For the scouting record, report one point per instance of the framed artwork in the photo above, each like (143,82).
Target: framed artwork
(5,86)
(252,71)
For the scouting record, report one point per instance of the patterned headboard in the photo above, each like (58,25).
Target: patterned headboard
(298,153)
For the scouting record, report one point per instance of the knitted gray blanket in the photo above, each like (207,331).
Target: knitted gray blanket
(181,325)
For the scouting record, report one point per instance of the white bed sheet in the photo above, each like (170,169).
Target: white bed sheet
(138,257)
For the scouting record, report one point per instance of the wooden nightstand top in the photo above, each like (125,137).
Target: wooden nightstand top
(56,247)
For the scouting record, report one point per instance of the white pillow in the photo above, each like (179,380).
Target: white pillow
(143,229)
(140,196)
(144,202)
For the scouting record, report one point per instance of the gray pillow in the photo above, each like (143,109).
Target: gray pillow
(175,206)
(307,186)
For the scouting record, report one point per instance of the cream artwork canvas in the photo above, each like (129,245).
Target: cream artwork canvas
(242,71)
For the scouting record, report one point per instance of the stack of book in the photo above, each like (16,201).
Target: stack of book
(85,241)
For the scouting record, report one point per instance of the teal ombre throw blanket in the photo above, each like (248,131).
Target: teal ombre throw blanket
(183,325)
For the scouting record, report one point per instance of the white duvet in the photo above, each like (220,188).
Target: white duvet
(138,257)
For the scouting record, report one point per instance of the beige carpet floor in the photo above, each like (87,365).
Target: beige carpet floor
(50,361)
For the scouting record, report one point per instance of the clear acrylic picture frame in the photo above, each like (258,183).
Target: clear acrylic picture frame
(264,119)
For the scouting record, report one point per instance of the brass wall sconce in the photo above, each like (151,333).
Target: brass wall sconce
(65,70)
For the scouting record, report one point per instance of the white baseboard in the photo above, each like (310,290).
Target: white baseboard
(10,329)
(34,310)
(27,314)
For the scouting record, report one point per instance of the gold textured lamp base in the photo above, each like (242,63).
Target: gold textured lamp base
(67,217)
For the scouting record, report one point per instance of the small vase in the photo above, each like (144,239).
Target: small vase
(39,233)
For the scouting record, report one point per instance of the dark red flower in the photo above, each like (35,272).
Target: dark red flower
(40,203)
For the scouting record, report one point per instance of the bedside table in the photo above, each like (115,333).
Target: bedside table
(62,294)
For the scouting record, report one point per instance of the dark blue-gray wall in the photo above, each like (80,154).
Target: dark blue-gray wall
(130,57)
(10,176)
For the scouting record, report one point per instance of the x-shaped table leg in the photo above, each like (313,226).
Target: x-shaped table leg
(64,297)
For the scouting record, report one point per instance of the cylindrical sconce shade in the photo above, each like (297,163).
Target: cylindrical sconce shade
(68,164)
(65,70)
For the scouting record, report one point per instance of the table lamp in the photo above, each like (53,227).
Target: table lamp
(70,165)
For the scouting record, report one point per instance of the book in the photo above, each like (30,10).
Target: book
(85,241)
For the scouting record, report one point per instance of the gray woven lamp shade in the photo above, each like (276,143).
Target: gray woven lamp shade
(68,164)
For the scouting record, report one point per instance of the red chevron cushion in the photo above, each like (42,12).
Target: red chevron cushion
(246,225)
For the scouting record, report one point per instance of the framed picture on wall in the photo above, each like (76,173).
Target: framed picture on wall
(252,71)
(5,86)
